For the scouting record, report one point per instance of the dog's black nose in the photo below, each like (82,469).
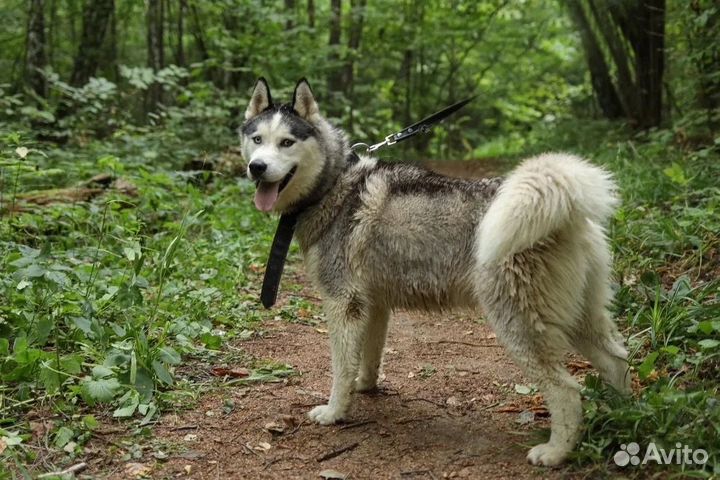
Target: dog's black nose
(257,167)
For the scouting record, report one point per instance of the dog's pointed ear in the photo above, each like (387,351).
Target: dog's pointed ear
(303,101)
(260,99)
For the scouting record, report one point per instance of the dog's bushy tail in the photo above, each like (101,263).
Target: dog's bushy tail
(542,196)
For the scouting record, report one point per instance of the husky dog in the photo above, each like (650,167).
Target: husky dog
(529,250)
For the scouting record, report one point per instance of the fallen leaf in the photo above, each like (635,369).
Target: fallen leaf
(264,446)
(191,455)
(522,389)
(190,437)
(452,402)
(137,469)
(275,428)
(188,469)
(321,330)
(333,474)
(160,455)
(578,365)
(235,372)
(70,447)
(3,445)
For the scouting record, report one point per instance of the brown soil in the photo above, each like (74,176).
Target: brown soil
(447,408)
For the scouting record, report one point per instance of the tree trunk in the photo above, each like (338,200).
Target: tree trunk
(96,16)
(290,12)
(155,50)
(650,62)
(335,71)
(634,34)
(197,32)
(35,49)
(112,50)
(357,17)
(600,77)
(311,13)
(180,50)
(621,57)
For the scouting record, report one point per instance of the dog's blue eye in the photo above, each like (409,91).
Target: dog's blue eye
(287,143)
(257,139)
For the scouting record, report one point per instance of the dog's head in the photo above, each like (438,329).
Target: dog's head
(282,147)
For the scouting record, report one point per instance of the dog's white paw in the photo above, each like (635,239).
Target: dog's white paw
(325,415)
(547,454)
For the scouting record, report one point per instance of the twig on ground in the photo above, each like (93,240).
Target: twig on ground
(417,472)
(437,404)
(469,344)
(336,452)
(74,469)
(184,427)
(357,424)
(415,419)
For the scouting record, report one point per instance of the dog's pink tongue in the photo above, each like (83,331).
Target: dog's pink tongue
(266,195)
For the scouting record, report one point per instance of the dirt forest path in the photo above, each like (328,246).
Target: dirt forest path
(447,408)
(451,405)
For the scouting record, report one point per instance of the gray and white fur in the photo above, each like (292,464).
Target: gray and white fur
(528,250)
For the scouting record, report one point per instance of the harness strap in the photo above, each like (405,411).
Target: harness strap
(280,247)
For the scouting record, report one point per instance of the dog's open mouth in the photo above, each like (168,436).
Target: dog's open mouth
(267,192)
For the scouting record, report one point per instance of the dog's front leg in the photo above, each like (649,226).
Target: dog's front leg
(346,327)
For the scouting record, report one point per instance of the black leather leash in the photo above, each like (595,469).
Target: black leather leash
(286,225)
(276,260)
(423,126)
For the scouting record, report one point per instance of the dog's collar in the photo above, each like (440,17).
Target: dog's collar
(281,244)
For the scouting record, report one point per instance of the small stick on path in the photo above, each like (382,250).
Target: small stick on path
(336,452)
(469,344)
(357,424)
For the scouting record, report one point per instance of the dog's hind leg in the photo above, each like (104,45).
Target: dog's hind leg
(596,336)
(347,321)
(540,354)
(373,349)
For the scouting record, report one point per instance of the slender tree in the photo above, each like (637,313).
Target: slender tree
(600,77)
(290,12)
(35,49)
(311,13)
(335,72)
(96,17)
(633,34)
(155,49)
(180,49)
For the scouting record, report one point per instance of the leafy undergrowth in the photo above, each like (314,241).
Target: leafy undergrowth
(666,241)
(102,303)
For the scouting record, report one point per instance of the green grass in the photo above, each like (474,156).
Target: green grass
(119,307)
(666,242)
(102,303)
